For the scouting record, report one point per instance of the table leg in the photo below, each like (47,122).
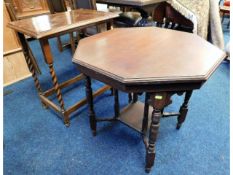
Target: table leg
(49,60)
(109,24)
(145,119)
(72,42)
(129,97)
(116,103)
(183,109)
(135,97)
(31,68)
(158,101)
(91,105)
(59,44)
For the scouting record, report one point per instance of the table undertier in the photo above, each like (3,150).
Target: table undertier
(132,115)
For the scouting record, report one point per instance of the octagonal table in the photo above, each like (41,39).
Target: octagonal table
(159,62)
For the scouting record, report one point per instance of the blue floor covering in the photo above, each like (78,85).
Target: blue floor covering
(37,142)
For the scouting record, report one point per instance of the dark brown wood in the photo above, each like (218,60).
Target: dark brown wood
(31,66)
(158,101)
(143,64)
(56,6)
(132,115)
(49,26)
(131,69)
(116,103)
(183,109)
(145,115)
(91,105)
(165,14)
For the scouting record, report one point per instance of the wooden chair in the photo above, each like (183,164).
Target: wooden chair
(166,16)
(56,6)
(87,4)
(225,10)
(13,17)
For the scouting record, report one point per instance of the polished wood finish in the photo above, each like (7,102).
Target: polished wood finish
(49,26)
(143,64)
(25,8)
(131,71)
(57,6)
(56,24)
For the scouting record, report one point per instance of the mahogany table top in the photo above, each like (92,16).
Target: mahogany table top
(47,25)
(149,55)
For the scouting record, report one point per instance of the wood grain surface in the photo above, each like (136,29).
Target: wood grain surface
(47,25)
(149,54)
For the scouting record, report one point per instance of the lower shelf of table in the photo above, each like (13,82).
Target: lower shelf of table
(132,115)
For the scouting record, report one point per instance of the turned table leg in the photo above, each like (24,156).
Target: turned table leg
(183,109)
(30,65)
(158,101)
(145,119)
(91,105)
(49,60)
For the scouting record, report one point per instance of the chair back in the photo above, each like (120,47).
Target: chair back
(84,4)
(56,6)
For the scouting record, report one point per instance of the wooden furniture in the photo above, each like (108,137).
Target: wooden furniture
(225,11)
(57,6)
(48,26)
(165,15)
(87,4)
(143,64)
(142,6)
(13,17)
(29,8)
(12,55)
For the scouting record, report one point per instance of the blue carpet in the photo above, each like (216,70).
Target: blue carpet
(37,142)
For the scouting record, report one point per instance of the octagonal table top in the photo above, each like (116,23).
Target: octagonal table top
(144,55)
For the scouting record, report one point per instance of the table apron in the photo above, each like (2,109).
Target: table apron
(140,87)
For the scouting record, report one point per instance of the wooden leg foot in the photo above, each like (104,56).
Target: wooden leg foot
(183,110)
(178,125)
(67,124)
(147,170)
(94,133)
(44,105)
